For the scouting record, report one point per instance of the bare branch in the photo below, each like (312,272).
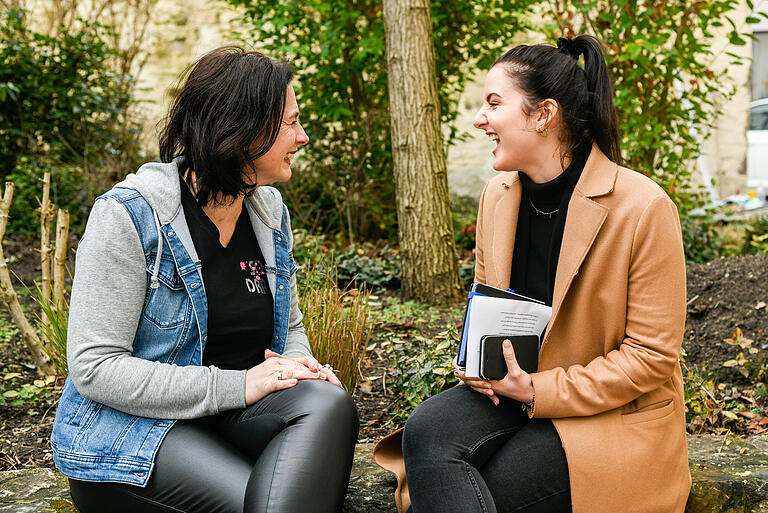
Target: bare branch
(10,299)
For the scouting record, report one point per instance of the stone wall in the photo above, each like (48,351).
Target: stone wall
(183,31)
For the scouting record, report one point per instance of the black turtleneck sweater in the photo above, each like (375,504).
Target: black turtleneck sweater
(540,226)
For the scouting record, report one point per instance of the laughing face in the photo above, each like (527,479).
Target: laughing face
(275,165)
(504,120)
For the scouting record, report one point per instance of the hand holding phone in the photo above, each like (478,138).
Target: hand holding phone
(493,366)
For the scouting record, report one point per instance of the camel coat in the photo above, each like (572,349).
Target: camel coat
(609,376)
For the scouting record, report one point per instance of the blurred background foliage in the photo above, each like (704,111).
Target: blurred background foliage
(65,109)
(668,89)
(346,185)
(67,104)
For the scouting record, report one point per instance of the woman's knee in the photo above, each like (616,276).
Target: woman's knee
(435,414)
(325,400)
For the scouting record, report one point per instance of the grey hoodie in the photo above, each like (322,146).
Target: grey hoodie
(108,296)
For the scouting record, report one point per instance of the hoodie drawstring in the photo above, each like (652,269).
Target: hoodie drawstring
(154,282)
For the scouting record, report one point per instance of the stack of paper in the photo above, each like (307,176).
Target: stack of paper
(492,311)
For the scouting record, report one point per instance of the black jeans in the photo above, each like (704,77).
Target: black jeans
(289,452)
(465,455)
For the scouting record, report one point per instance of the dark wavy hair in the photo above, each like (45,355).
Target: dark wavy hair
(584,94)
(228,113)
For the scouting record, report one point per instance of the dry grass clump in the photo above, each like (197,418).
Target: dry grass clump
(336,322)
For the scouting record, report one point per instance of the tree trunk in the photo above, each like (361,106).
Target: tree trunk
(427,250)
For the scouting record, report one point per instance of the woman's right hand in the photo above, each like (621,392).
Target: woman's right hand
(272,375)
(477,384)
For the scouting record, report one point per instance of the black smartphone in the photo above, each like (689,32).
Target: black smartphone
(492,363)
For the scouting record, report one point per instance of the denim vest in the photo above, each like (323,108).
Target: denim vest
(94,442)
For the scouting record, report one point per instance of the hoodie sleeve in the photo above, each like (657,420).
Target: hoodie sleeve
(108,294)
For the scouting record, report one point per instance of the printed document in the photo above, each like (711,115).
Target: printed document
(501,316)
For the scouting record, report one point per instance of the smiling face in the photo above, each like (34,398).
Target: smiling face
(504,120)
(275,165)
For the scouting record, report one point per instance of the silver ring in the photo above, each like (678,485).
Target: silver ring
(279,375)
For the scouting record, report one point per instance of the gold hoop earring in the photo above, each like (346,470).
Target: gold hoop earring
(543,132)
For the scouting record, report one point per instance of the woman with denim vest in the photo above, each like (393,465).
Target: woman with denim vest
(599,427)
(192,386)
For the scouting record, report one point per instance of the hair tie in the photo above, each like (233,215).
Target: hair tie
(568,46)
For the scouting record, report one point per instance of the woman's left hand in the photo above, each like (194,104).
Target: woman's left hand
(326,372)
(517,384)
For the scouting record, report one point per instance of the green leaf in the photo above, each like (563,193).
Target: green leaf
(735,39)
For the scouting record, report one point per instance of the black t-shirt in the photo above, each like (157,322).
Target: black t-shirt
(240,310)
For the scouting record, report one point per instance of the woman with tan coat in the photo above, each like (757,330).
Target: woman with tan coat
(600,427)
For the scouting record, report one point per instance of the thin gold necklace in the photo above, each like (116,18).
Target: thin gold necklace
(538,212)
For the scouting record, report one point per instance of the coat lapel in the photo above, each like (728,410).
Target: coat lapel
(504,227)
(585,218)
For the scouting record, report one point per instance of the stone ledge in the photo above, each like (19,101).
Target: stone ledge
(725,480)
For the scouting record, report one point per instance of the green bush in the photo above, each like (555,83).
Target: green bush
(378,268)
(760,243)
(64,109)
(667,90)
(756,236)
(69,190)
(380,271)
(701,242)
(464,212)
(422,367)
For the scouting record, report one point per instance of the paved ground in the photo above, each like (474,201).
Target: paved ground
(729,476)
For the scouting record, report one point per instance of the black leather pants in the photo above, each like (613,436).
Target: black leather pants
(290,452)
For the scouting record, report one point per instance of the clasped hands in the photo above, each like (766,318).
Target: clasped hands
(517,384)
(278,372)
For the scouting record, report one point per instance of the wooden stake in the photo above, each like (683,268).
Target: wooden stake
(45,241)
(60,257)
(11,300)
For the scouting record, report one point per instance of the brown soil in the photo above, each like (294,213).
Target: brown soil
(25,429)
(722,295)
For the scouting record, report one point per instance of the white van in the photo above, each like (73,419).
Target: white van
(757,150)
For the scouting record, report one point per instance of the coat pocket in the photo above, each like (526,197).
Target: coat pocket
(649,412)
